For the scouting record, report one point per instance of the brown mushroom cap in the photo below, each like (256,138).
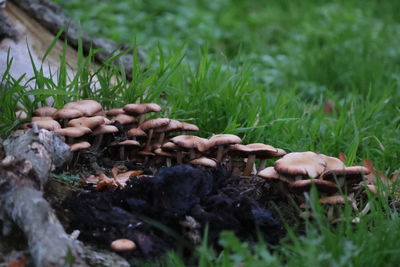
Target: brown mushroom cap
(189,127)
(154,123)
(224,139)
(321,185)
(300,163)
(173,125)
(160,152)
(79,146)
(353,173)
(35,118)
(124,119)
(188,141)
(169,146)
(332,163)
(45,112)
(105,129)
(146,153)
(123,245)
(136,132)
(262,150)
(138,109)
(67,113)
(133,143)
(89,122)
(50,125)
(333,200)
(203,161)
(87,107)
(73,131)
(115,112)
(271,173)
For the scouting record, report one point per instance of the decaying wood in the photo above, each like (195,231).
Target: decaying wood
(23,173)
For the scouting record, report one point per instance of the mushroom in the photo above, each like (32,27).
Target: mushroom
(348,176)
(333,206)
(149,126)
(274,177)
(189,142)
(65,114)
(222,141)
(126,120)
(173,125)
(169,146)
(300,165)
(323,187)
(89,122)
(123,245)
(166,155)
(203,161)
(141,109)
(188,127)
(87,107)
(123,144)
(45,112)
(79,146)
(48,124)
(73,132)
(279,153)
(99,133)
(114,112)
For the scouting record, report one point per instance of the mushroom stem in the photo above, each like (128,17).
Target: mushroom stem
(179,157)
(122,153)
(97,142)
(168,162)
(262,164)
(249,165)
(141,119)
(192,154)
(150,136)
(220,153)
(161,138)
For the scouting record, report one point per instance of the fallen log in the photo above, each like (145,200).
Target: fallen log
(31,155)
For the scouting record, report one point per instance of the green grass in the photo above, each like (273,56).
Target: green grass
(262,70)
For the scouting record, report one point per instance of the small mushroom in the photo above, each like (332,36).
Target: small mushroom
(87,107)
(79,146)
(166,155)
(122,145)
(123,245)
(169,146)
(149,126)
(203,161)
(189,142)
(222,141)
(347,177)
(323,187)
(45,112)
(141,109)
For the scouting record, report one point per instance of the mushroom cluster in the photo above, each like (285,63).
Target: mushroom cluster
(156,142)
(297,172)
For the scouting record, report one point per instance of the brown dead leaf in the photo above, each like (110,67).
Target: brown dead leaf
(342,157)
(369,165)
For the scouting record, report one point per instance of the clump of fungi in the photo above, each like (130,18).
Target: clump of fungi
(296,173)
(126,134)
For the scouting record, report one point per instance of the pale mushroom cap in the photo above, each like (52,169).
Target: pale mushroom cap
(160,152)
(138,109)
(224,139)
(173,125)
(154,123)
(351,173)
(239,149)
(79,146)
(332,163)
(105,129)
(89,122)
(136,132)
(35,118)
(262,150)
(123,245)
(333,200)
(323,186)
(124,119)
(21,115)
(45,112)
(189,127)
(268,173)
(115,112)
(67,113)
(73,131)
(133,143)
(203,161)
(300,163)
(169,146)
(50,125)
(188,141)
(87,107)
(280,153)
